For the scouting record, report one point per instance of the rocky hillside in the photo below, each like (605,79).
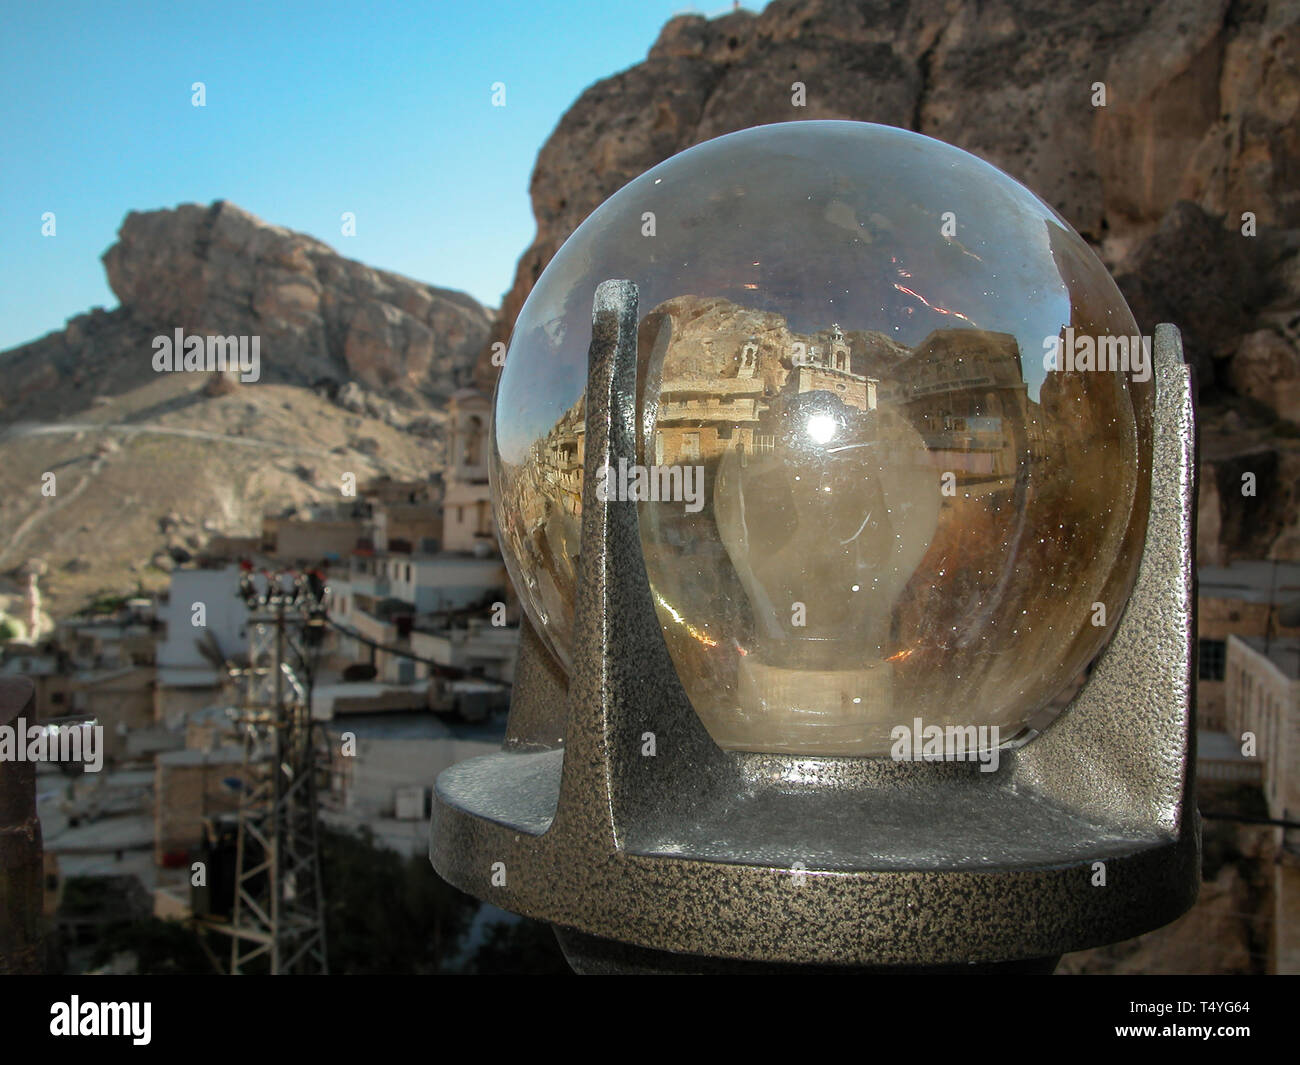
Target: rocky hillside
(146,478)
(354,364)
(1201,124)
(219,270)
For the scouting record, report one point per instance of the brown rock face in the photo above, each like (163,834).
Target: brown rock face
(1208,279)
(220,270)
(1202,101)
(1267,368)
(385,345)
(1195,147)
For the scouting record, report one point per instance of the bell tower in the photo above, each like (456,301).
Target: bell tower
(466,506)
(467,459)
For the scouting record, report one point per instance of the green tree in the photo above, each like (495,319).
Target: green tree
(161,947)
(387,912)
(519,948)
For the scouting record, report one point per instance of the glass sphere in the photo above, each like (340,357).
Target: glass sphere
(900,470)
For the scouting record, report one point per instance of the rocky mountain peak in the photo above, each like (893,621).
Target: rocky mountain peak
(220,270)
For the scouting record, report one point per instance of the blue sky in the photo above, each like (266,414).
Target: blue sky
(312,109)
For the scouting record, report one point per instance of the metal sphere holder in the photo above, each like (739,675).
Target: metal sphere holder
(697,859)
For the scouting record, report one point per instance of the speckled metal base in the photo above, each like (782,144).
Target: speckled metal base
(1086,836)
(593,956)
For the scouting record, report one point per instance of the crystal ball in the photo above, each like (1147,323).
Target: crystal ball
(894,450)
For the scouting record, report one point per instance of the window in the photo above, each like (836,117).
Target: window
(473,440)
(1212,654)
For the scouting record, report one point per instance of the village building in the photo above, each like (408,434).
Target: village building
(1247,598)
(1262,707)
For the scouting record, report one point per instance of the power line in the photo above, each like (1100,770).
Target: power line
(278,907)
(438,669)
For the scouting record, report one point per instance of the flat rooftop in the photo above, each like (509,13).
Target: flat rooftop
(1251,581)
(418,725)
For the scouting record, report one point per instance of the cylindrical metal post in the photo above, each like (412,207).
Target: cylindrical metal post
(22,894)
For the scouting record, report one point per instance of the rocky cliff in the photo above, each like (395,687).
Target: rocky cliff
(1200,126)
(220,270)
(149,466)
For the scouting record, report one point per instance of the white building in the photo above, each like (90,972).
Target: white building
(186,678)
(445,582)
(406,605)
(385,600)
(386,782)
(428,583)
(479,648)
(1262,705)
(467,504)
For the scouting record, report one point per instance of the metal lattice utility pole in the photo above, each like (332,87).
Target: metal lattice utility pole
(279,904)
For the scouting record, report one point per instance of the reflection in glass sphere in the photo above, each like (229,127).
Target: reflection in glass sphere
(908,510)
